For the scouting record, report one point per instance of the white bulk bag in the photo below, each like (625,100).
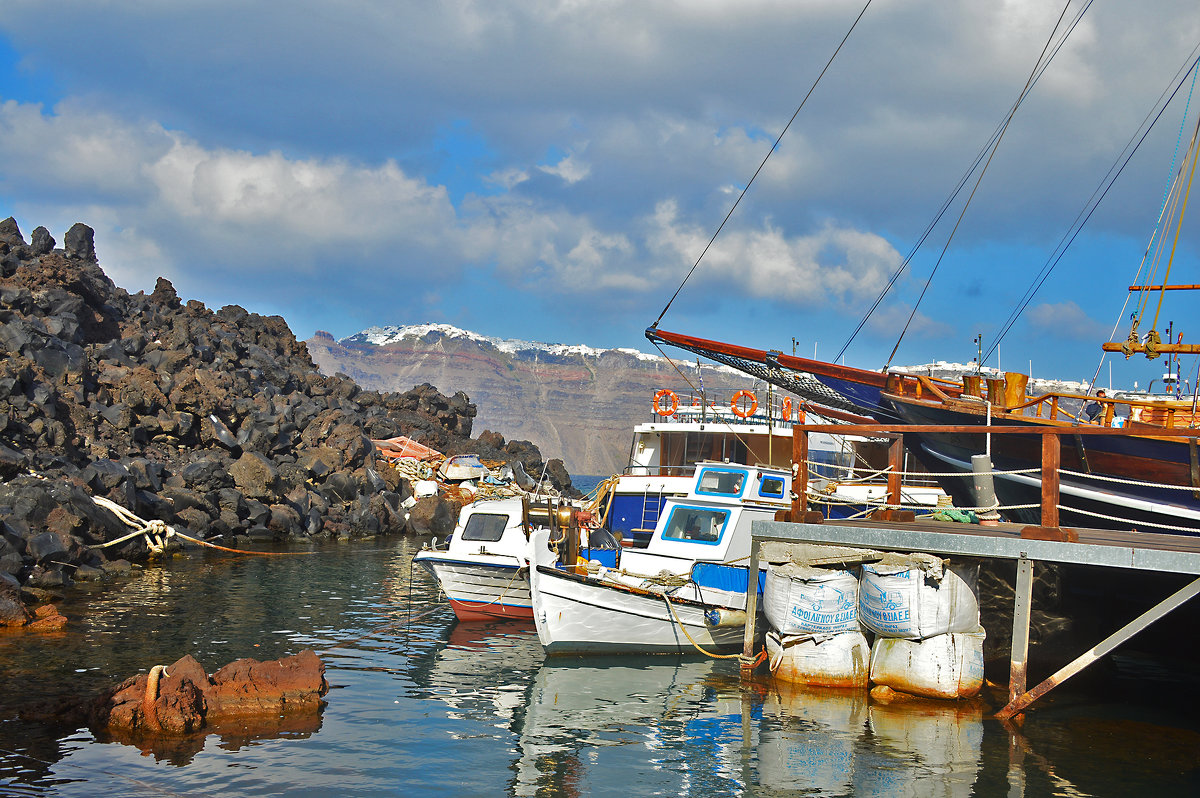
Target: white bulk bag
(945,666)
(798,599)
(914,596)
(840,660)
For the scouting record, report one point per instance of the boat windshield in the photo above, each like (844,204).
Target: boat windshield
(771,487)
(696,524)
(720,482)
(486,527)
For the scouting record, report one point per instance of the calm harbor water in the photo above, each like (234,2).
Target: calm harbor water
(424,706)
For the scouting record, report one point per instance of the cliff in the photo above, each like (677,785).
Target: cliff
(574,400)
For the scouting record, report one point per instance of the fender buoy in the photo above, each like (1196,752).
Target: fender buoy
(785,408)
(737,409)
(666,393)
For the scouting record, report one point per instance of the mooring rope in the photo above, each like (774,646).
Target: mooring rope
(682,628)
(158,533)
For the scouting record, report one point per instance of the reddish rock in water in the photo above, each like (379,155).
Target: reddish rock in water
(182,698)
(47,618)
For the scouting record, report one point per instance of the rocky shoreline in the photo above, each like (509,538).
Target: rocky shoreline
(217,423)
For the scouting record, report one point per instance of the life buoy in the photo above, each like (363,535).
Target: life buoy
(785,408)
(737,409)
(666,393)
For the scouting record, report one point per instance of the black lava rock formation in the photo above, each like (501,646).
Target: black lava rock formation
(217,423)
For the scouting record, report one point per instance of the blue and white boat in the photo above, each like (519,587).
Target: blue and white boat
(685,591)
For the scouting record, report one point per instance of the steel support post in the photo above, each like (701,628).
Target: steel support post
(1019,653)
(1109,643)
(751,604)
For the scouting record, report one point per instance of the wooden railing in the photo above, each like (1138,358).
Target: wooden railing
(1050,459)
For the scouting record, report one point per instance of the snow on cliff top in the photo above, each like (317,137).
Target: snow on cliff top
(382,336)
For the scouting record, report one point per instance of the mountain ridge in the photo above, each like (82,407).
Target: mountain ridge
(578,401)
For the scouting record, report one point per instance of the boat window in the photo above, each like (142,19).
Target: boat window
(720,482)
(772,487)
(485,527)
(695,524)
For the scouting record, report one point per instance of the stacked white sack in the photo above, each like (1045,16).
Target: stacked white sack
(914,596)
(817,640)
(943,666)
(798,599)
(840,660)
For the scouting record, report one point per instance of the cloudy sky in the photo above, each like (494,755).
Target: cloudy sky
(551,170)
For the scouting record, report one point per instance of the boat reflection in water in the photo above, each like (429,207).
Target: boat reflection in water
(670,726)
(482,671)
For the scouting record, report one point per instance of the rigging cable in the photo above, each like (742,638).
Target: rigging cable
(953,195)
(764,163)
(1094,203)
(983,171)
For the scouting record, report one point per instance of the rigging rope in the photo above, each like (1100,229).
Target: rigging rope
(983,171)
(1090,207)
(949,200)
(764,163)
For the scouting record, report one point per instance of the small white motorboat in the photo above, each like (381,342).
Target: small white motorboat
(482,567)
(685,591)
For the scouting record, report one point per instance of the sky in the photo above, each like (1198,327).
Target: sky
(551,171)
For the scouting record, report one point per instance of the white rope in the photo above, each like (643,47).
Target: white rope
(826,498)
(1129,521)
(1120,481)
(919,474)
(157,532)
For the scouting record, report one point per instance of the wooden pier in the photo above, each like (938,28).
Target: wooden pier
(1137,551)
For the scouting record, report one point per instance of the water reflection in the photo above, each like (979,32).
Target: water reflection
(682,717)
(423,705)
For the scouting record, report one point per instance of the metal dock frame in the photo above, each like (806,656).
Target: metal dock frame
(996,544)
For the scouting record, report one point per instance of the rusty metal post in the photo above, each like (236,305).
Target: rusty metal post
(895,467)
(799,469)
(1051,459)
(1019,653)
(751,606)
(1106,645)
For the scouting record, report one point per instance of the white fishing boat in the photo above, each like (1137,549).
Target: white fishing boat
(685,591)
(685,429)
(481,567)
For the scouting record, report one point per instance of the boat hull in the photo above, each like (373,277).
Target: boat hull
(578,615)
(480,590)
(1109,498)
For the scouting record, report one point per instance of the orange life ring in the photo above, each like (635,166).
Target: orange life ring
(737,410)
(785,408)
(666,411)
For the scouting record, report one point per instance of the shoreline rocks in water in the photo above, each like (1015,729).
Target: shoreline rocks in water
(171,710)
(182,698)
(214,422)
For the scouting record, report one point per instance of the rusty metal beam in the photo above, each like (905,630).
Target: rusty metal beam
(1022,604)
(1164,287)
(1105,646)
(751,606)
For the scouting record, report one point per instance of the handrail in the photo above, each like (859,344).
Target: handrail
(1051,450)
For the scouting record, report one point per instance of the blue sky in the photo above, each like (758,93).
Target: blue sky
(551,170)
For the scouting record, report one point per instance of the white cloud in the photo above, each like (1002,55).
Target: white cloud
(571,169)
(830,264)
(1059,320)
